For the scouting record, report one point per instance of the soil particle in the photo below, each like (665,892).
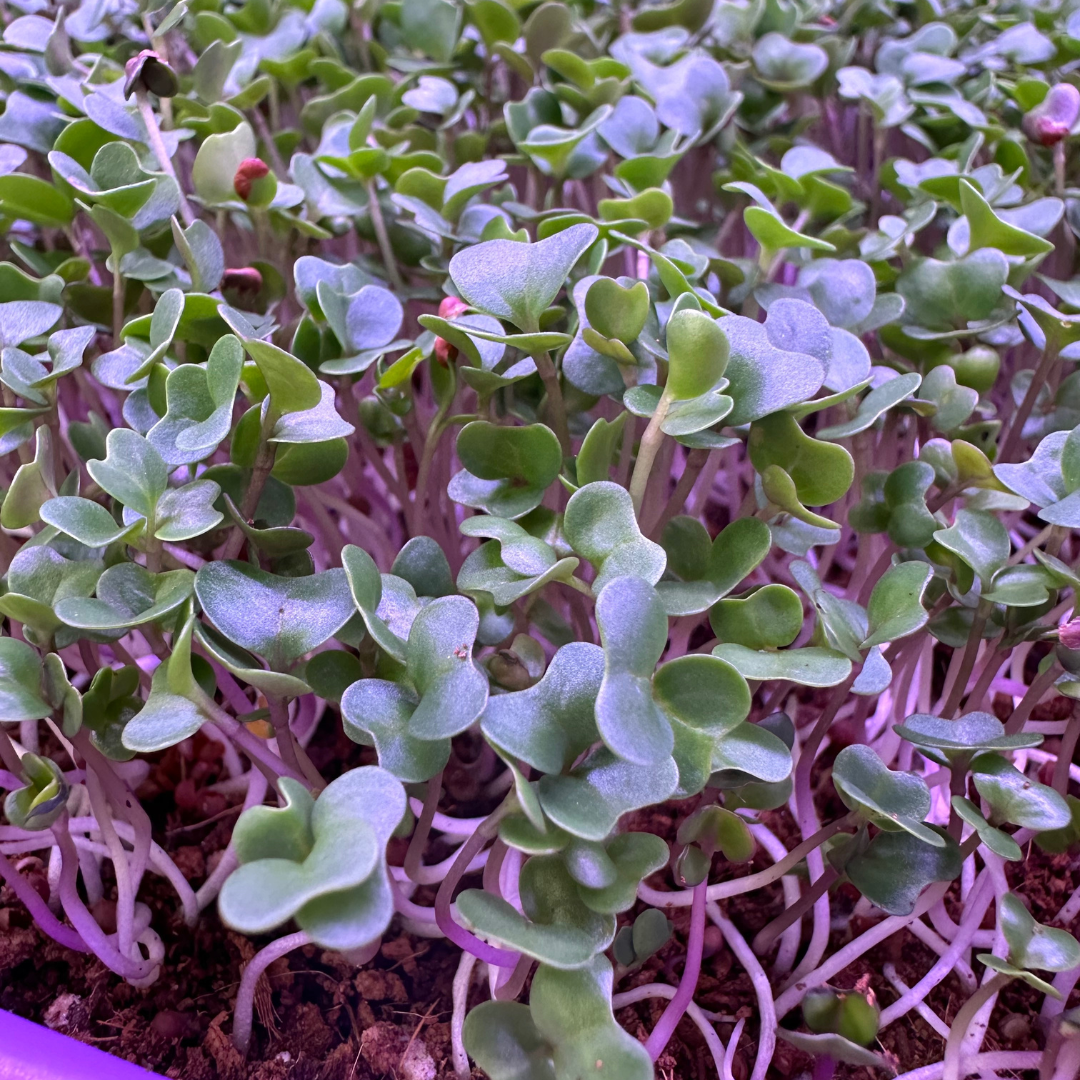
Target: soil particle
(381,986)
(390,1051)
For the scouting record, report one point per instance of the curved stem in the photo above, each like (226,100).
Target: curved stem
(695,462)
(977,903)
(256,792)
(1040,684)
(964,1017)
(556,409)
(123,801)
(125,888)
(967,663)
(260,473)
(245,996)
(378,223)
(737,886)
(1016,426)
(462,983)
(117,302)
(765,937)
(291,752)
(461,937)
(660,1035)
(82,920)
(39,910)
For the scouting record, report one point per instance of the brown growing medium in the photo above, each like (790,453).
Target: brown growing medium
(320,1018)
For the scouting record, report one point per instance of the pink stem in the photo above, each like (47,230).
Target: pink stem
(82,920)
(39,910)
(245,997)
(444,919)
(669,1021)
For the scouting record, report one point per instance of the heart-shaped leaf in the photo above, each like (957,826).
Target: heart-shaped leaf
(567,1031)
(895,609)
(809,666)
(617,312)
(20,682)
(697,353)
(633,630)
(86,521)
(769,618)
(953,740)
(519,281)
(556,928)
(507,469)
(1016,799)
(897,866)
(874,405)
(891,800)
(366,586)
(709,570)
(127,595)
(132,472)
(1000,843)
(291,863)
(1032,945)
(550,724)
(592,797)
(980,540)
(411,722)
(766,369)
(822,472)
(634,856)
(279,618)
(572,1010)
(600,525)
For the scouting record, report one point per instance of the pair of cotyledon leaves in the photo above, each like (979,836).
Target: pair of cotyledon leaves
(319,861)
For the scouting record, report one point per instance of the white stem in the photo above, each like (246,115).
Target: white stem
(245,997)
(462,983)
(767,1012)
(157,144)
(1013,1060)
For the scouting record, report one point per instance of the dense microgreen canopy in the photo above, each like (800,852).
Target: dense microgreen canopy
(648,432)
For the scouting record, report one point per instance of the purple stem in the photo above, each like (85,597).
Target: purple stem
(669,1021)
(39,910)
(461,937)
(824,1067)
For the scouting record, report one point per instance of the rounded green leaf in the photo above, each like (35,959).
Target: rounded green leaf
(507,469)
(891,800)
(277,617)
(769,618)
(600,525)
(617,312)
(697,353)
